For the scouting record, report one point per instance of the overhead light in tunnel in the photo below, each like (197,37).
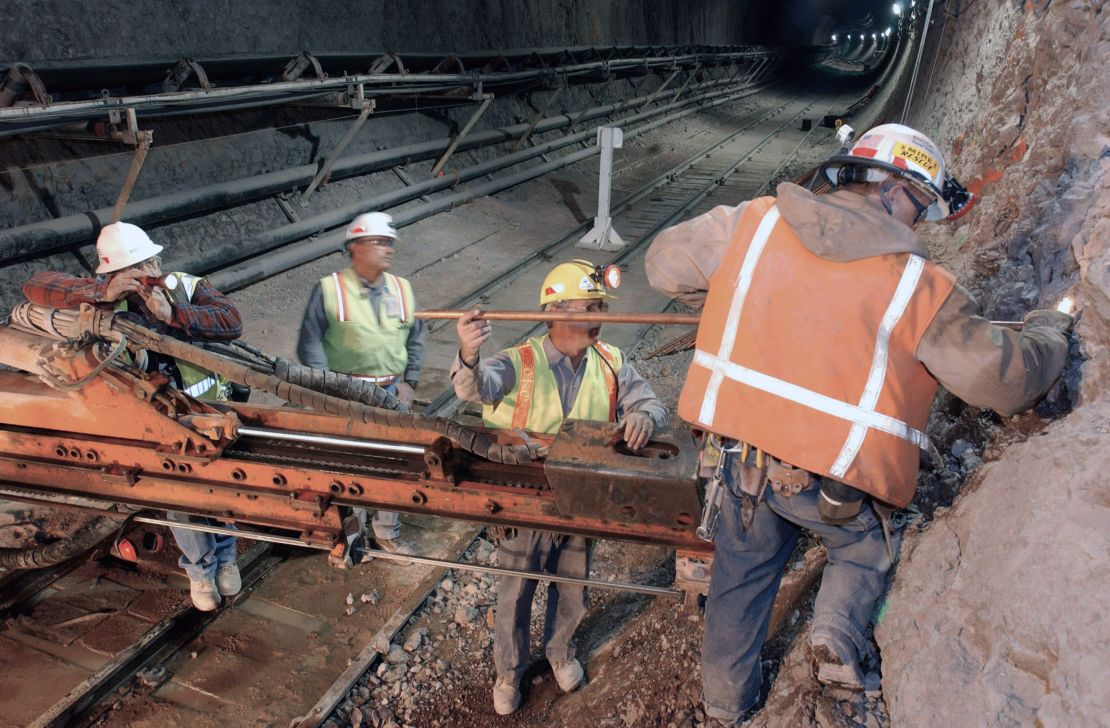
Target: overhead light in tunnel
(898,8)
(834,37)
(849,36)
(874,37)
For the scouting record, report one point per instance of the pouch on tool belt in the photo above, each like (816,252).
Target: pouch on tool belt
(787,480)
(497,534)
(709,456)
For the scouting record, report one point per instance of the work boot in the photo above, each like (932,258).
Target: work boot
(568,673)
(506,696)
(396,546)
(203,593)
(835,670)
(228,582)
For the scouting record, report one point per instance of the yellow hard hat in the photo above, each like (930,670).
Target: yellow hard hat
(578,280)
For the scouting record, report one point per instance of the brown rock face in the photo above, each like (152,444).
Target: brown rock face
(996,616)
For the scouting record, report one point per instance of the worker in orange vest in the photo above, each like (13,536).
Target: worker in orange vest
(824,334)
(568,373)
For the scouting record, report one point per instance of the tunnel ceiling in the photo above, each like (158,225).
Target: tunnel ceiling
(812,22)
(56,31)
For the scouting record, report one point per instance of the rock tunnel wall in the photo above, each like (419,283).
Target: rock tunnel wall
(61,30)
(995,616)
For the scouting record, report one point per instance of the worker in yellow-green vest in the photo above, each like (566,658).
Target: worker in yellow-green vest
(567,373)
(180,305)
(362,321)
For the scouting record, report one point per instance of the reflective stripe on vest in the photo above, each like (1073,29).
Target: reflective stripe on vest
(202,386)
(196,382)
(610,378)
(387,379)
(527,376)
(534,403)
(359,341)
(785,332)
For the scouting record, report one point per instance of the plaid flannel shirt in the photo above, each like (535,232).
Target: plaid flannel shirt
(211,316)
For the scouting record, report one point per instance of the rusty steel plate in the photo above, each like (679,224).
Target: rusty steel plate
(593,478)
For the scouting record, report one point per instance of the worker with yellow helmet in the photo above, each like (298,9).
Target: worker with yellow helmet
(566,373)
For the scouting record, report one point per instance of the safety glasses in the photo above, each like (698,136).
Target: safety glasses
(890,186)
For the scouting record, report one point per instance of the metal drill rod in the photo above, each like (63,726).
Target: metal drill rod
(331,440)
(662,319)
(605,317)
(658,591)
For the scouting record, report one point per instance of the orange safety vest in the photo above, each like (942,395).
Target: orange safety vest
(813,361)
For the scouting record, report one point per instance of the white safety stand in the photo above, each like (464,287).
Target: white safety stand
(603,236)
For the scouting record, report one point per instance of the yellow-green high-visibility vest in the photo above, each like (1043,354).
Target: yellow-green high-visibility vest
(356,342)
(533,404)
(195,382)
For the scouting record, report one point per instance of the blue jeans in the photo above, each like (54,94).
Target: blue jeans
(746,572)
(387,524)
(201,553)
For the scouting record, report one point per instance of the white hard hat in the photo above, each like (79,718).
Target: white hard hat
(121,245)
(371,224)
(895,149)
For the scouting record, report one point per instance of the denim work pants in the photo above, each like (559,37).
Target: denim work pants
(567,604)
(201,553)
(387,524)
(746,572)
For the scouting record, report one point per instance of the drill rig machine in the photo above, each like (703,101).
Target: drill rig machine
(81,426)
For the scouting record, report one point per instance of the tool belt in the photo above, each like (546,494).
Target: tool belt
(758,470)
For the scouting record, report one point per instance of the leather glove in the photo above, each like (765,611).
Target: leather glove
(1049,318)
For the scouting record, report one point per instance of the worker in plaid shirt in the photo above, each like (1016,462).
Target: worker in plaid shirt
(193,310)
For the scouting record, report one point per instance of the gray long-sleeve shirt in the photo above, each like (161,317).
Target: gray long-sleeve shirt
(310,343)
(494,377)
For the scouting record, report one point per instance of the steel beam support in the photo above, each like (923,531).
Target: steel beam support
(142,141)
(657,91)
(329,162)
(603,236)
(540,115)
(406,180)
(439,165)
(686,83)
